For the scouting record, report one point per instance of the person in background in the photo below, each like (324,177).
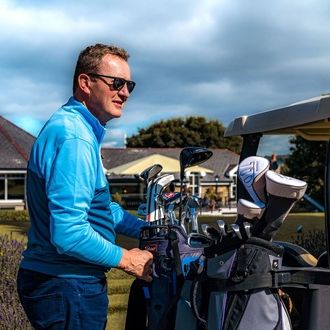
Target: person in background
(71,241)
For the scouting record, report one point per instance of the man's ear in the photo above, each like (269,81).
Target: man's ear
(84,83)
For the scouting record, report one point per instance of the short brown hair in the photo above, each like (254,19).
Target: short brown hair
(89,59)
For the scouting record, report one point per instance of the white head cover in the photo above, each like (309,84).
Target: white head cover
(251,172)
(285,186)
(249,210)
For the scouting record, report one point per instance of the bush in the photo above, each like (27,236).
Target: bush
(313,241)
(12,315)
(13,216)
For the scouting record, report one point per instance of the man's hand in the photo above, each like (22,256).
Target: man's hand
(138,263)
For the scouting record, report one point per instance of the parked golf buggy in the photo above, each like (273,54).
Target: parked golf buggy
(235,276)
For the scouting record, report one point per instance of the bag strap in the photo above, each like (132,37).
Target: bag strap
(163,324)
(200,279)
(174,243)
(236,305)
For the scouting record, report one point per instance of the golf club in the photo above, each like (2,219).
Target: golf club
(210,232)
(191,156)
(155,189)
(247,229)
(235,230)
(193,204)
(222,227)
(151,172)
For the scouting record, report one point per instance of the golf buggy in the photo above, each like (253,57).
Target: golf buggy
(235,276)
(307,284)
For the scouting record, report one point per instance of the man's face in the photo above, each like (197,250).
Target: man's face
(104,101)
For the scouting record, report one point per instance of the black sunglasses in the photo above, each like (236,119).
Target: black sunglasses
(118,83)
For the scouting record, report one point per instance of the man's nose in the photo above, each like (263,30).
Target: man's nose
(124,91)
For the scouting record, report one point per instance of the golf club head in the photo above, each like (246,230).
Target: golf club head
(235,230)
(151,172)
(194,201)
(222,227)
(194,221)
(196,240)
(155,188)
(191,156)
(171,215)
(210,231)
(247,229)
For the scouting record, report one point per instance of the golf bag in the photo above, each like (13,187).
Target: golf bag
(153,305)
(239,289)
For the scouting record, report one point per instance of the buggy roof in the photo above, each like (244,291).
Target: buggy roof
(308,118)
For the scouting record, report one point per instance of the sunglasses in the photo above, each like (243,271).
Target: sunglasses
(118,83)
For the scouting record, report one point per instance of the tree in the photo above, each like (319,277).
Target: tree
(306,162)
(183,132)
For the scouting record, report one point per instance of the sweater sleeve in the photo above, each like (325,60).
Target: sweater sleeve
(125,223)
(70,189)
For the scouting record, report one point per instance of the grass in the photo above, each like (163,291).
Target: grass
(310,221)
(116,321)
(120,282)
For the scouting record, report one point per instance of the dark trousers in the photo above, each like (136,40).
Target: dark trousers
(63,303)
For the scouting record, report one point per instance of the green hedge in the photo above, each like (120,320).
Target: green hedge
(314,241)
(13,216)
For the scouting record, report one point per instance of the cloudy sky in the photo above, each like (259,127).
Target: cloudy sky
(219,59)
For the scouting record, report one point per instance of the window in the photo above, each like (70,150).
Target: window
(15,186)
(12,186)
(233,188)
(194,183)
(2,186)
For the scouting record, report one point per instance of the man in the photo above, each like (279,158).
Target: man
(71,241)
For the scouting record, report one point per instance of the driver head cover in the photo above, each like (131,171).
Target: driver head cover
(251,172)
(284,186)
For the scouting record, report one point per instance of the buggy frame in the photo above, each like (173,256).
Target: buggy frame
(309,119)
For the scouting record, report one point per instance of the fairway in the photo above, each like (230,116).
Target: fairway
(119,282)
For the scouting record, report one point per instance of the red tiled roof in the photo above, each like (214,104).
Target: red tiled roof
(15,145)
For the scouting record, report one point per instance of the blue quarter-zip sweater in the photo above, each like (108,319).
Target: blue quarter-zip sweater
(73,220)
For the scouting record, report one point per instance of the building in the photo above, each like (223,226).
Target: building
(15,146)
(216,177)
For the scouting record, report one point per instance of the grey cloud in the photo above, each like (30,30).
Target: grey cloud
(219,59)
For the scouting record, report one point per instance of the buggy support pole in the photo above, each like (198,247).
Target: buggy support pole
(327,201)
(249,148)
